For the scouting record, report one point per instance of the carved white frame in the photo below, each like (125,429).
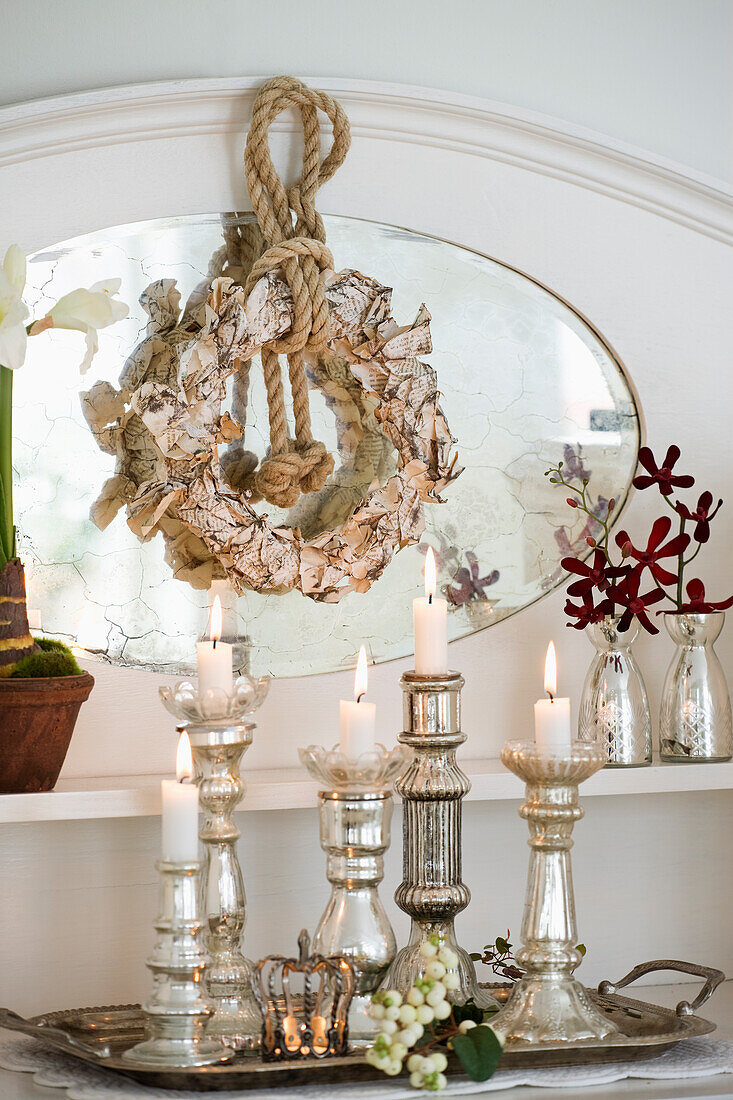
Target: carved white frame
(128,146)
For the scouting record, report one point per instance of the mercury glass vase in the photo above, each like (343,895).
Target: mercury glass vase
(695,720)
(614,708)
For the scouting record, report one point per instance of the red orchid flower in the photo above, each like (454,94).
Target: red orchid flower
(650,557)
(661,475)
(626,593)
(696,602)
(701,516)
(598,575)
(586,613)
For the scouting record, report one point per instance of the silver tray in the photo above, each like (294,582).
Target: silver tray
(99,1036)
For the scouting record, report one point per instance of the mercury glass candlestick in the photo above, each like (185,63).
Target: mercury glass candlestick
(548,1004)
(355,815)
(177,1012)
(220,731)
(432,790)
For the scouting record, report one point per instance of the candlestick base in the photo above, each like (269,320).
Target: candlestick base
(432,790)
(409,964)
(355,815)
(178,1013)
(548,1004)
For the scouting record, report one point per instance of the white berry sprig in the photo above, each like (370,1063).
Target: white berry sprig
(404,1023)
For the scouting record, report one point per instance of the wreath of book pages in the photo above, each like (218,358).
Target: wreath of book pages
(272,290)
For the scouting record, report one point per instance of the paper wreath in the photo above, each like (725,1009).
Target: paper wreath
(165,423)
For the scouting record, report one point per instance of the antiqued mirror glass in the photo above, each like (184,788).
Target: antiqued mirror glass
(525,381)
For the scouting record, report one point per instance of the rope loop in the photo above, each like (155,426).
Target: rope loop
(294,238)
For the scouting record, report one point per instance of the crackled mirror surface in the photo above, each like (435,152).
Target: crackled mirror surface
(525,382)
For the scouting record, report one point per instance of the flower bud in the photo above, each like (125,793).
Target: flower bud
(591,542)
(571,502)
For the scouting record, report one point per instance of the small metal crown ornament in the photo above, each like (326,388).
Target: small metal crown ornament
(308,1024)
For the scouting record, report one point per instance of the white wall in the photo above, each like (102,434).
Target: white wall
(654,73)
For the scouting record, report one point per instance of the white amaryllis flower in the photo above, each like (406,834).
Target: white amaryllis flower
(13,310)
(88,311)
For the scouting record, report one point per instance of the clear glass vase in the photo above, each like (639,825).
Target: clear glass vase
(614,708)
(695,720)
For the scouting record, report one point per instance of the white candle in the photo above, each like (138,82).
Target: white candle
(357,719)
(215,657)
(430,619)
(34,619)
(180,801)
(552,715)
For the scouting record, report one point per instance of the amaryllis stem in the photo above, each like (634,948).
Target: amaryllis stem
(7,530)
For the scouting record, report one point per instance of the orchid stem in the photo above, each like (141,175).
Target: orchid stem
(693,556)
(680,566)
(583,507)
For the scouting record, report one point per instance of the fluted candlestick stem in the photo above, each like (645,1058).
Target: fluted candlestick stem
(433,787)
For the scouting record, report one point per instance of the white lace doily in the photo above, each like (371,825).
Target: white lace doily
(692,1058)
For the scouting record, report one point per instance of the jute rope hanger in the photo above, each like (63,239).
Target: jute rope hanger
(297,249)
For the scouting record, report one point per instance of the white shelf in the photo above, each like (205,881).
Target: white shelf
(291,789)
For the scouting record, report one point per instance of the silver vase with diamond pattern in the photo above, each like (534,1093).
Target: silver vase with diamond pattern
(695,721)
(614,708)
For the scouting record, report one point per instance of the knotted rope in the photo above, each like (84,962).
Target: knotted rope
(297,249)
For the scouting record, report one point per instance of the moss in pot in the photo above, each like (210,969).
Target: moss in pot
(42,689)
(41,685)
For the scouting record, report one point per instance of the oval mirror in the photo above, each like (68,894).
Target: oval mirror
(525,382)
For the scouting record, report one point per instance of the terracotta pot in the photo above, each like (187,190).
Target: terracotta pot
(37,719)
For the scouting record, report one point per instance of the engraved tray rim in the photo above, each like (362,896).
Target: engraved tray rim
(246,1071)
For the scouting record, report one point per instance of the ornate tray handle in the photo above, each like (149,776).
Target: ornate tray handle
(712,977)
(14,1022)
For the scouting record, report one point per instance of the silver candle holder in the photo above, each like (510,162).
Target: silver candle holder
(548,1004)
(432,788)
(220,733)
(177,1013)
(355,816)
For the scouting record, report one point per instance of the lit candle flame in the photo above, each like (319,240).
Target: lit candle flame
(361,677)
(184,759)
(430,575)
(551,671)
(215,624)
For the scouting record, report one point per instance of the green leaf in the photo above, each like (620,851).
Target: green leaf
(469,1011)
(475,956)
(479,1052)
(581,949)
(502,945)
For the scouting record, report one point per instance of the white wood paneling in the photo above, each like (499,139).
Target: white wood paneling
(79,897)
